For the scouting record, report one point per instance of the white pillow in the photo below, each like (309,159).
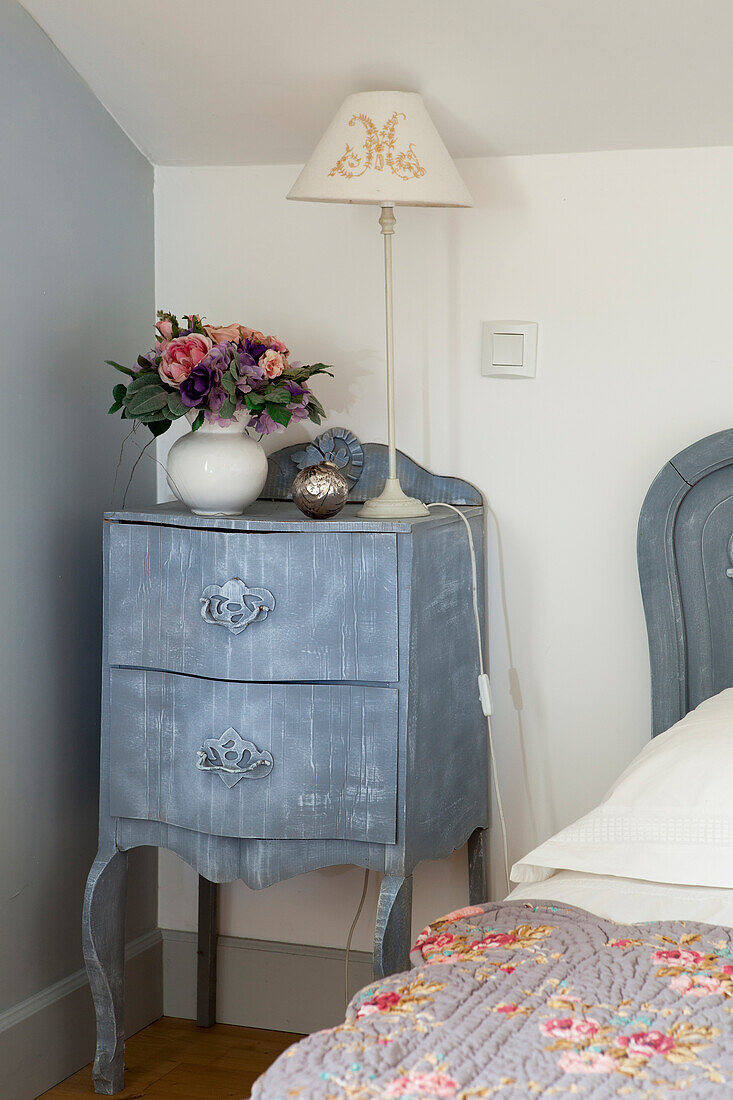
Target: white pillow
(669,818)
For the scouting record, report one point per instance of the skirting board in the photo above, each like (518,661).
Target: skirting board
(278,986)
(51,1035)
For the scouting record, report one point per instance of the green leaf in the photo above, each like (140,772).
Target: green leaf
(198,421)
(281,395)
(142,362)
(175,405)
(315,404)
(319,368)
(229,384)
(226,412)
(118,366)
(314,415)
(115,407)
(254,401)
(119,392)
(146,402)
(278,413)
(157,427)
(141,381)
(150,417)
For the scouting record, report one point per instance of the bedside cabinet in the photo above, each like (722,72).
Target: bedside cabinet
(282,694)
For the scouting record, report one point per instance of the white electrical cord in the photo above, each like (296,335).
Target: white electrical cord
(351,933)
(484,691)
(484,685)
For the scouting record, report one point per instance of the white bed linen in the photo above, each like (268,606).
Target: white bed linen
(631,901)
(669,816)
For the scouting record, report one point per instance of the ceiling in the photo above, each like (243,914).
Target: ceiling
(257,81)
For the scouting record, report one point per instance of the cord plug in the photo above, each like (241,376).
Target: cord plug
(484,693)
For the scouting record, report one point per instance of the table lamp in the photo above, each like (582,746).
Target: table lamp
(382,148)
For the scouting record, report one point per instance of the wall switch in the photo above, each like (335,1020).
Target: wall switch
(509,349)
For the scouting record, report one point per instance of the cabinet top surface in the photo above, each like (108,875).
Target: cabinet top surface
(266,515)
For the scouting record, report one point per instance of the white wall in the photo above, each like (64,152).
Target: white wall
(624,259)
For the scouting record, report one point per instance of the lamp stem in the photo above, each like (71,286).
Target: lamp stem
(392,503)
(387,222)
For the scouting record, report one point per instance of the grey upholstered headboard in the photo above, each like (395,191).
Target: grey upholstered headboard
(685,554)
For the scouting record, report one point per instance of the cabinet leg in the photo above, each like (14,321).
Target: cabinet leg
(393,927)
(478,867)
(207,942)
(103,935)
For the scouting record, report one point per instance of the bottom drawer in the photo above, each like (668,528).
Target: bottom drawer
(297,761)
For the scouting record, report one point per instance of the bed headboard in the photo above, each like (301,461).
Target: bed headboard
(685,555)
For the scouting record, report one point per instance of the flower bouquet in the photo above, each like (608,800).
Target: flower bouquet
(225,380)
(216,374)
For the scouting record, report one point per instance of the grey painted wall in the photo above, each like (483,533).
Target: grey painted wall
(76,287)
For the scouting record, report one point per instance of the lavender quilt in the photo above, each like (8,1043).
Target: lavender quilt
(531,999)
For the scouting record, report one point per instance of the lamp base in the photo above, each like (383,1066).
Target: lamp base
(392,503)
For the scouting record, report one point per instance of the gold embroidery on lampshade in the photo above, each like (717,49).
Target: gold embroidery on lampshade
(378,152)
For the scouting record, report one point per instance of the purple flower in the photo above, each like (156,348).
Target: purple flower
(217,397)
(199,384)
(297,412)
(249,368)
(297,389)
(255,348)
(264,424)
(298,407)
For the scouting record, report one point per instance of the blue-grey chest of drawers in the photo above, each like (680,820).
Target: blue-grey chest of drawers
(282,694)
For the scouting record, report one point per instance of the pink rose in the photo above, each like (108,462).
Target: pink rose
(647,1043)
(678,957)
(468,911)
(224,334)
(165,328)
(567,1028)
(272,363)
(585,1061)
(278,346)
(432,1084)
(181,355)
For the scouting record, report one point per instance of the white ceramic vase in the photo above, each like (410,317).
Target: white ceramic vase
(217,470)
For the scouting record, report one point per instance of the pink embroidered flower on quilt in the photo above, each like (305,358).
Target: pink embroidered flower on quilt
(467,911)
(647,1043)
(495,939)
(421,1084)
(697,985)
(381,1002)
(568,1028)
(679,957)
(585,1061)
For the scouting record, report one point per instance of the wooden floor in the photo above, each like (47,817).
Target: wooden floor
(175,1060)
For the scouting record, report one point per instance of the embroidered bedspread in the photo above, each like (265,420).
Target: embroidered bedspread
(531,999)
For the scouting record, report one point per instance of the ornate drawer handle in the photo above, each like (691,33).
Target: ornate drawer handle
(234,605)
(233,758)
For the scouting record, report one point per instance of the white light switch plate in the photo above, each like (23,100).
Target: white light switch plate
(509,349)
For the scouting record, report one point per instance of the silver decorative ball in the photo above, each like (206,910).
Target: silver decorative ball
(320,491)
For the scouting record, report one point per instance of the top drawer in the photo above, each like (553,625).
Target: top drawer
(301,606)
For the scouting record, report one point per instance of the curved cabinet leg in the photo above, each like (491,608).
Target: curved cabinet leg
(478,867)
(393,927)
(103,934)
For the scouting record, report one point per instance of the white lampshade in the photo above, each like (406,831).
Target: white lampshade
(382,148)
